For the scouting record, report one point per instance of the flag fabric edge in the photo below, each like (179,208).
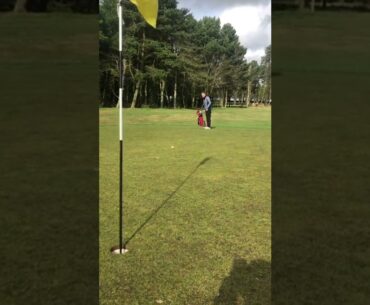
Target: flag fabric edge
(148,9)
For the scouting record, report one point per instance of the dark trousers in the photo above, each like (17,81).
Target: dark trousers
(208,117)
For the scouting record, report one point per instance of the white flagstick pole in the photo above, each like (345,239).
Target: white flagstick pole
(121,233)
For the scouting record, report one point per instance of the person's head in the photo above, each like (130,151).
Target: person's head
(204,94)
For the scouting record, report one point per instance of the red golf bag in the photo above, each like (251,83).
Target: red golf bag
(201,121)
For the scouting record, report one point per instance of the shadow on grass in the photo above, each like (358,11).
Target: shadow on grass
(204,161)
(247,284)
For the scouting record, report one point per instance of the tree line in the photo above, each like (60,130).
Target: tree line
(170,65)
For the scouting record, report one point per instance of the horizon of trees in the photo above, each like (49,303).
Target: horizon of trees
(170,66)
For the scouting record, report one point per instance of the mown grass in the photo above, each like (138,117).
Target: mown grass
(199,212)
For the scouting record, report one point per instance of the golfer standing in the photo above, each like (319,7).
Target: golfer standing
(207,105)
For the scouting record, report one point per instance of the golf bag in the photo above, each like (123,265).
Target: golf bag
(201,121)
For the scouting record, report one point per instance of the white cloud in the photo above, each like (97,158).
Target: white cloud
(214,7)
(255,55)
(253,25)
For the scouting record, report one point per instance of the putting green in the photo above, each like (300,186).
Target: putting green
(197,206)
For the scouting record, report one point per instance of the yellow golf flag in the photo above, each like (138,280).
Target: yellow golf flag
(148,9)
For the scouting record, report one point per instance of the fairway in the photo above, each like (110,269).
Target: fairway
(197,207)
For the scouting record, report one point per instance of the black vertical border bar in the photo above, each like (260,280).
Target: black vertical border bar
(49,159)
(320,158)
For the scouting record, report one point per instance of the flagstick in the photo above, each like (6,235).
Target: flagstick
(121,248)
(121,233)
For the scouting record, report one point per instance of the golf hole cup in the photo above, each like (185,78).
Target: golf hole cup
(116,250)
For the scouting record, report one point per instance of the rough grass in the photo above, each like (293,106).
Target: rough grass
(199,212)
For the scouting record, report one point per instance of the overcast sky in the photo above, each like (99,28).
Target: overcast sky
(250,18)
